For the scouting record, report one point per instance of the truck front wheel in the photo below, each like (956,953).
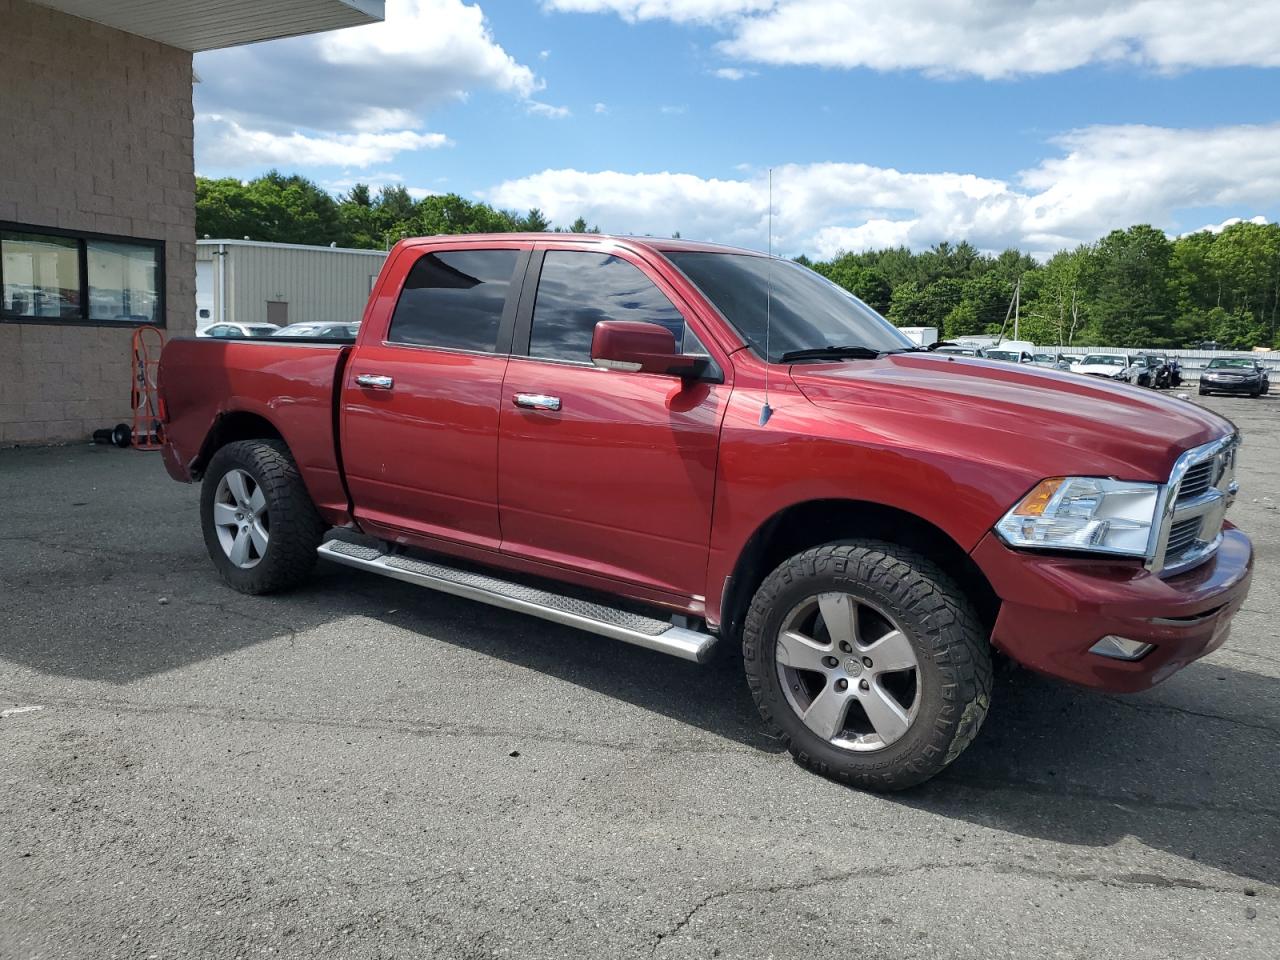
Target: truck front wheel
(260,527)
(870,662)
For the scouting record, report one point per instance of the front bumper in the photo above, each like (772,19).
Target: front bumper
(1231,386)
(1053,609)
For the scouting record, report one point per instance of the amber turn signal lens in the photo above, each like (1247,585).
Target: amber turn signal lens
(1035,502)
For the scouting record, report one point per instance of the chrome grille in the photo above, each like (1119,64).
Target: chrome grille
(1197,479)
(1192,507)
(1182,535)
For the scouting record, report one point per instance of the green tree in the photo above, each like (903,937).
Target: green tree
(273,207)
(1236,329)
(534,221)
(1128,275)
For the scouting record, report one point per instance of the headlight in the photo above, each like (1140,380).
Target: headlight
(1083,513)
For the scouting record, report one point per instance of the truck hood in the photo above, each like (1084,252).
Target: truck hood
(1045,422)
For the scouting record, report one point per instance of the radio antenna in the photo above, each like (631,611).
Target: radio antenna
(766,411)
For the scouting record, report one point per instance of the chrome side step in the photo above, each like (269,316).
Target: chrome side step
(596,618)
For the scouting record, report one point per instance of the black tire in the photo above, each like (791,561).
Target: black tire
(295,527)
(951,647)
(1204,392)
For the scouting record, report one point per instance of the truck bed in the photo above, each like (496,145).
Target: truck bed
(213,386)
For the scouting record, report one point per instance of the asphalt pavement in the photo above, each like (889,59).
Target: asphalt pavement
(366,769)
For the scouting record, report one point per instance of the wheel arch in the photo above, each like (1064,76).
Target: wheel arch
(811,523)
(228,427)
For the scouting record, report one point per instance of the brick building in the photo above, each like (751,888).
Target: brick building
(97,189)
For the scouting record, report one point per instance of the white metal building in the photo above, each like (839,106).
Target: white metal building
(248,281)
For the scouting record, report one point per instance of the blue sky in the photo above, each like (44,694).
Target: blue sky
(1038,125)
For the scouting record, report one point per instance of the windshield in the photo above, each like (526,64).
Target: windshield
(806,311)
(1105,360)
(1230,362)
(1003,355)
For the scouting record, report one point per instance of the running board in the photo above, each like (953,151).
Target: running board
(643,631)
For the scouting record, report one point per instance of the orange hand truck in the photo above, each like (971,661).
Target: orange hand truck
(144,395)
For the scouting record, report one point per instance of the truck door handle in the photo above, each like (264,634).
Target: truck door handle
(536,401)
(374,381)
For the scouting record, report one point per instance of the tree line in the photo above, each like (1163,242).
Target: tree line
(1133,287)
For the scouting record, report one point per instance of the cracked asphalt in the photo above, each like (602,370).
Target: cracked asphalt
(364,769)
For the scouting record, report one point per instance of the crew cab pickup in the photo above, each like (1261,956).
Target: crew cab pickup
(674,444)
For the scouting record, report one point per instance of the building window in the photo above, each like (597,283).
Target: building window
(61,276)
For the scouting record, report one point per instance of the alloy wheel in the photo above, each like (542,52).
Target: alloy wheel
(241,519)
(848,671)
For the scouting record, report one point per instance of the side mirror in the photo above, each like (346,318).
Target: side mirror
(642,347)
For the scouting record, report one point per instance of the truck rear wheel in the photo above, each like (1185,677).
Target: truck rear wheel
(260,527)
(870,661)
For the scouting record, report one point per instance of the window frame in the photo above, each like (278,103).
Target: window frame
(529,295)
(83,238)
(506,321)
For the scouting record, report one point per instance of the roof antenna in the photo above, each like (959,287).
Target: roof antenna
(766,411)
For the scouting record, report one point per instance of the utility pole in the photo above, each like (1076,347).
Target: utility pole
(1017,291)
(1075,318)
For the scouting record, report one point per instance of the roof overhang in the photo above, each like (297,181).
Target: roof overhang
(197,25)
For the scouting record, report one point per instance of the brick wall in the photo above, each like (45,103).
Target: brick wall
(95,134)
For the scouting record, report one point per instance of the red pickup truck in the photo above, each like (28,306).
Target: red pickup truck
(671,443)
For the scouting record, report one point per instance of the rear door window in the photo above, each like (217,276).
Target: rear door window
(577,289)
(454,299)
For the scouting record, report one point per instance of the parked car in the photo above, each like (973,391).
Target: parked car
(1007,355)
(1051,361)
(320,331)
(1104,365)
(1143,371)
(240,330)
(1162,371)
(959,351)
(679,444)
(1235,375)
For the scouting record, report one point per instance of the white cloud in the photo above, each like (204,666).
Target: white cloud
(378,79)
(675,109)
(226,143)
(733,73)
(1229,222)
(601,108)
(375,182)
(444,42)
(547,110)
(1105,177)
(995,39)
(682,11)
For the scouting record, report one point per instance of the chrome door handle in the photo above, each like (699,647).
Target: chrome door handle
(374,381)
(536,401)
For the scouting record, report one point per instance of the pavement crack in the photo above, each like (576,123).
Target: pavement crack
(402,725)
(1123,800)
(1143,707)
(1236,651)
(1138,880)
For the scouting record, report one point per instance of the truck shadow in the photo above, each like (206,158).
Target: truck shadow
(1174,768)
(1189,768)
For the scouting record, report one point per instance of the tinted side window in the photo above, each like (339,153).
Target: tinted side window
(454,298)
(578,289)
